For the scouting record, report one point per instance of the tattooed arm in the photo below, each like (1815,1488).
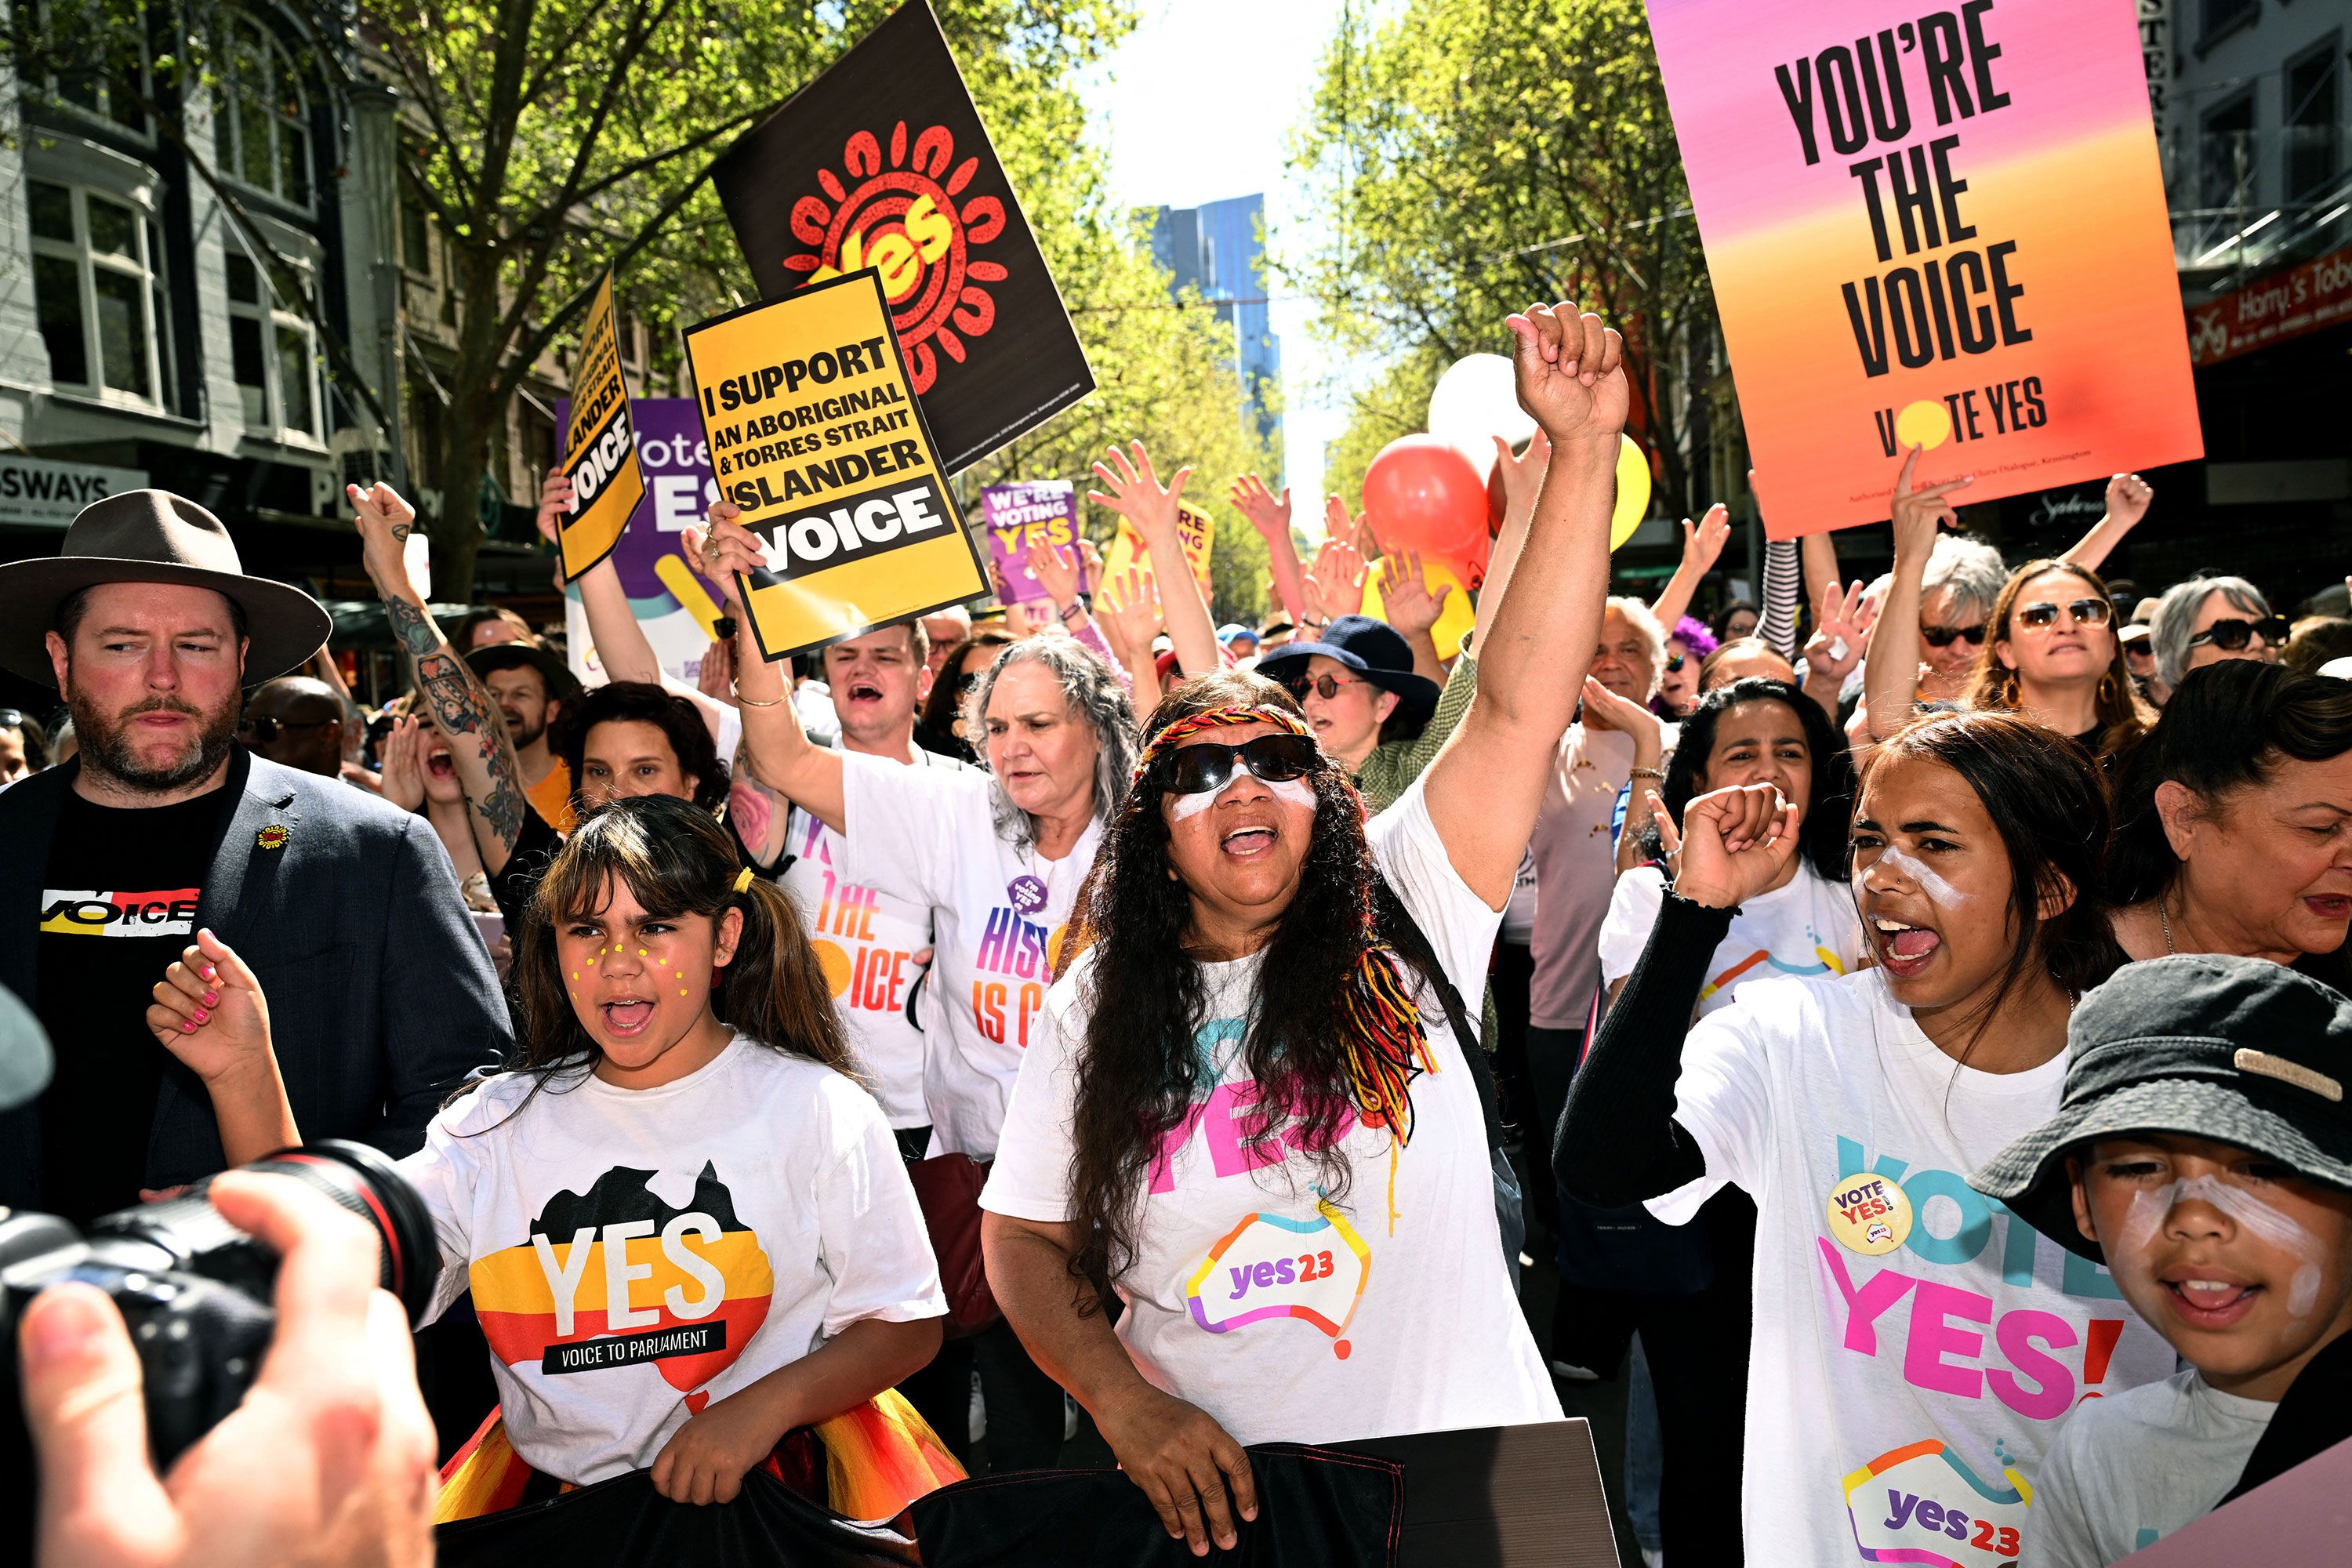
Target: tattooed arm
(461,710)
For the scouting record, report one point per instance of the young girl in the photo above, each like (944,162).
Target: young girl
(687,1229)
(1914,1347)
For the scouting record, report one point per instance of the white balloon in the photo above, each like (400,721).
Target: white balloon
(1475,401)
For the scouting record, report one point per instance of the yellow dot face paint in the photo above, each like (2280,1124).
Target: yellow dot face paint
(681,993)
(641,952)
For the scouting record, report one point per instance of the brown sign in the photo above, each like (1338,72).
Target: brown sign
(2282,306)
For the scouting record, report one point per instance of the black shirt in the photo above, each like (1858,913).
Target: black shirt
(118,905)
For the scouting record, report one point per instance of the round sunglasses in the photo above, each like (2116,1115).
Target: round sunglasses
(1269,759)
(1944,637)
(1327,686)
(2231,636)
(2089,612)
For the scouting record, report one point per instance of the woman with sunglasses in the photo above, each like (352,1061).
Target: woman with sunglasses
(1939,598)
(2053,656)
(1250,1112)
(2209,619)
(1687,645)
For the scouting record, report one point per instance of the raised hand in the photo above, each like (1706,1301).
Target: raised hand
(1703,541)
(1136,493)
(1919,513)
(1733,845)
(725,547)
(384,520)
(1404,592)
(1055,568)
(1603,709)
(1837,643)
(1571,373)
(716,677)
(1268,515)
(1129,611)
(403,755)
(208,1011)
(1335,586)
(2128,498)
(1523,474)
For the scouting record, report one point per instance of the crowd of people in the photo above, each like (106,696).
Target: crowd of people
(1097,1014)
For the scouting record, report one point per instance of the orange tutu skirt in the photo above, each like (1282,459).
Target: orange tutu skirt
(866,1464)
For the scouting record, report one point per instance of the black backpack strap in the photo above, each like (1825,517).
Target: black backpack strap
(1396,923)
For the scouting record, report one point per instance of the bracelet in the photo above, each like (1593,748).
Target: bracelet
(751,702)
(1657,774)
(1079,606)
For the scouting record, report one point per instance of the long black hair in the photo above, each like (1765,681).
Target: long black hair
(1139,1067)
(1822,836)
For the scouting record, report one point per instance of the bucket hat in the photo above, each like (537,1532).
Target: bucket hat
(1371,648)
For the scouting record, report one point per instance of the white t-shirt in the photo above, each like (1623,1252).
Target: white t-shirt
(867,939)
(750,1210)
(1922,1345)
(1284,1318)
(1808,927)
(2128,1470)
(928,835)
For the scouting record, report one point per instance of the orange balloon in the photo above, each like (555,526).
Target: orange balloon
(1424,494)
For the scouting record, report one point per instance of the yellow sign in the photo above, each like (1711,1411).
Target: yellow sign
(1869,1213)
(816,434)
(1194,528)
(600,445)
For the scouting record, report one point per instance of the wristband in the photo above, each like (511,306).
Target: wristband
(751,702)
(1082,605)
(1657,774)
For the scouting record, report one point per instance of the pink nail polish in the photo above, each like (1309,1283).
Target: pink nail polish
(187,1029)
(201,1015)
(211,973)
(212,998)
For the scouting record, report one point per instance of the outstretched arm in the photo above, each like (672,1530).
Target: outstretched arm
(1137,494)
(462,710)
(1271,518)
(1892,677)
(1483,789)
(2128,498)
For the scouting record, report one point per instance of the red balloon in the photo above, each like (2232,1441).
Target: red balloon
(1423,493)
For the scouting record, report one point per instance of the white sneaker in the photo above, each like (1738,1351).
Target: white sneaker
(1652,1558)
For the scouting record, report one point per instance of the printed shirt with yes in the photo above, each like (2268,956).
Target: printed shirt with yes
(635,1254)
(2129,1470)
(997,913)
(867,939)
(1916,1345)
(1285,1318)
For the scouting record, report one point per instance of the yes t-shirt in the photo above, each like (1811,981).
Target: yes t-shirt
(1808,927)
(929,835)
(1285,1317)
(635,1254)
(2127,1471)
(867,939)
(118,906)
(1916,1345)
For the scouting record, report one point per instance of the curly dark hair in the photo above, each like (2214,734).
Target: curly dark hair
(1822,836)
(643,702)
(1138,1066)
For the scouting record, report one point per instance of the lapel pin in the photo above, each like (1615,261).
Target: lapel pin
(273,836)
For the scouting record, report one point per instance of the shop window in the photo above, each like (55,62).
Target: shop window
(265,122)
(273,349)
(2314,151)
(97,290)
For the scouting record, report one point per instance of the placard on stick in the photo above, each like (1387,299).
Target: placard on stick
(600,445)
(814,433)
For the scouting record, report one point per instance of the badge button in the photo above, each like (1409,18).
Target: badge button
(1870,1213)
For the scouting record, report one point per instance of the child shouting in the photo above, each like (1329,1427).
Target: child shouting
(2203,1152)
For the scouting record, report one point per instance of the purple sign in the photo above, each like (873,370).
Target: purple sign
(674,604)
(1016,514)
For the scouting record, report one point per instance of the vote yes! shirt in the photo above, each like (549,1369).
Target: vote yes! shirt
(867,939)
(930,836)
(1916,1345)
(1286,1317)
(635,1254)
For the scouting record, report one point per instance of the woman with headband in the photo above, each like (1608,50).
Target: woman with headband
(1249,1110)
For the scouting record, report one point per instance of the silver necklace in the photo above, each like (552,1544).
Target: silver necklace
(2162,920)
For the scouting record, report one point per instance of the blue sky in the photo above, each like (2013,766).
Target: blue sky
(1198,104)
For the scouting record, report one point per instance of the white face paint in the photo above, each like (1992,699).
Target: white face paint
(1297,792)
(2151,1206)
(1939,892)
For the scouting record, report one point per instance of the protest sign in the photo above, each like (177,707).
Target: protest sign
(1194,527)
(600,453)
(883,161)
(1942,226)
(1015,515)
(814,433)
(675,609)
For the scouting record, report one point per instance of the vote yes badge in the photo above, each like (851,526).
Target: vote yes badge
(1869,1213)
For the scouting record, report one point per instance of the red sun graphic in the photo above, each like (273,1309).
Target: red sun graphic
(902,220)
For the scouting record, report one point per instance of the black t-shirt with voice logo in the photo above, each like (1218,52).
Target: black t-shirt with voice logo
(118,902)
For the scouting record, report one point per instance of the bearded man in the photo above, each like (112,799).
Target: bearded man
(381,997)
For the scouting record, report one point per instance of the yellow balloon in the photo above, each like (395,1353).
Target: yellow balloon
(1632,491)
(1452,619)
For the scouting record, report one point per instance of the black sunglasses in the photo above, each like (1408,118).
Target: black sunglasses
(2090,612)
(1944,637)
(12,719)
(2231,636)
(266,730)
(1270,758)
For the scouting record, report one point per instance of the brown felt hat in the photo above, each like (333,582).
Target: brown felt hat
(153,536)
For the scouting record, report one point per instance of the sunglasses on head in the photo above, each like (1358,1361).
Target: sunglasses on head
(1327,686)
(2093,611)
(1944,637)
(1269,759)
(266,730)
(2231,636)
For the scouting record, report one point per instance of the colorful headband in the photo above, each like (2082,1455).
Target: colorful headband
(1213,719)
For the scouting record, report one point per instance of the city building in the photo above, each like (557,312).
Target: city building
(1218,249)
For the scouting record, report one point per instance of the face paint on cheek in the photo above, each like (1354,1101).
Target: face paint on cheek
(2266,1223)
(1939,892)
(1295,792)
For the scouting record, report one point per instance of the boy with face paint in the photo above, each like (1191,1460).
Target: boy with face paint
(2203,1152)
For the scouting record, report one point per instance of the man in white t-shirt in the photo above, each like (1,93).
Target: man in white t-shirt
(875,947)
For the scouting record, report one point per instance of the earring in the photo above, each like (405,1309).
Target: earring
(2106,688)
(2009,690)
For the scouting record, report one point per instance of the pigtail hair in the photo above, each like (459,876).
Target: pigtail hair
(775,990)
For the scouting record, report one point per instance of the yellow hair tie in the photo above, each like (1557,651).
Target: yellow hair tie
(743,881)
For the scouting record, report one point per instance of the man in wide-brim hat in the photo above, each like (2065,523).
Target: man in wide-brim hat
(165,826)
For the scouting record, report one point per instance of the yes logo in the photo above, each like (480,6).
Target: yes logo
(1272,1265)
(1920,1504)
(618,1276)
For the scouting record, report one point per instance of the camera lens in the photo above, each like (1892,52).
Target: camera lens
(354,1176)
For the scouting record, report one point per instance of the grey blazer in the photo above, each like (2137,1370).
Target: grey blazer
(381,997)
